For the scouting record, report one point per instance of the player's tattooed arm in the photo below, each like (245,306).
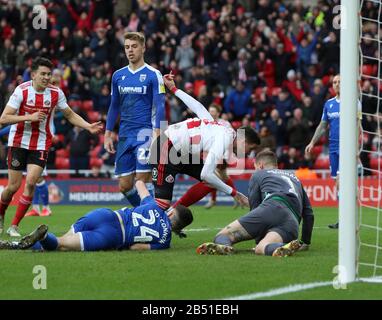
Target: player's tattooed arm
(320,130)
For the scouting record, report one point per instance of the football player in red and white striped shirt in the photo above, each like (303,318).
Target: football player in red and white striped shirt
(201,189)
(30,110)
(180,148)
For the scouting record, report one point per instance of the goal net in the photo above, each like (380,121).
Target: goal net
(370,183)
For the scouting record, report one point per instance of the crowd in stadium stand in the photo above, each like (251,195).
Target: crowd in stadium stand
(266,63)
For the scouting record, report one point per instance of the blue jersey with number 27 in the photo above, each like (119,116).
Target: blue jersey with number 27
(138,96)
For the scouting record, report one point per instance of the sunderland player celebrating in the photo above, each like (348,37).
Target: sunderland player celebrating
(30,110)
(137,95)
(278,203)
(331,119)
(146,227)
(180,148)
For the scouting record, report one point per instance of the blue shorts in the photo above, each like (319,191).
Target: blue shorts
(100,229)
(132,156)
(334,161)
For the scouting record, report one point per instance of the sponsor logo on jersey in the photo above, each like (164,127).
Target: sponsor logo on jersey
(169,178)
(142,77)
(136,90)
(333,115)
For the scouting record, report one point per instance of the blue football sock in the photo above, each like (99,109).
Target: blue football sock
(150,188)
(272,247)
(223,239)
(44,193)
(50,242)
(133,197)
(36,196)
(37,246)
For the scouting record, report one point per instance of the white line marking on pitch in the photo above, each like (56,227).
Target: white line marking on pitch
(295,288)
(280,291)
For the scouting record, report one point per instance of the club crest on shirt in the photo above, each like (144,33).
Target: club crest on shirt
(170,178)
(142,77)
(15,163)
(155,174)
(123,78)
(47,103)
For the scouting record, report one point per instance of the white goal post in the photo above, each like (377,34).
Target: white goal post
(349,70)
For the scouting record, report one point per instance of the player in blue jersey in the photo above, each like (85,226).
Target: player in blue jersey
(331,121)
(146,227)
(138,98)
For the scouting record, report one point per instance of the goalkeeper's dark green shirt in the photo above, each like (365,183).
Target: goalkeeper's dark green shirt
(283,186)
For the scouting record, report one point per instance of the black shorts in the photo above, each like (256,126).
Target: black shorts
(19,158)
(271,215)
(167,163)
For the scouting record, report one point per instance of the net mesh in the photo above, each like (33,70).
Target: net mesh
(369,195)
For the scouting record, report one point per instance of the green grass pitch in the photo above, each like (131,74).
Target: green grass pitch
(178,273)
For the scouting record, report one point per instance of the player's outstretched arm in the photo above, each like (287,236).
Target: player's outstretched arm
(194,105)
(9,116)
(78,121)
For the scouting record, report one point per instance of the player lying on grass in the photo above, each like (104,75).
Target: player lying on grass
(278,203)
(141,228)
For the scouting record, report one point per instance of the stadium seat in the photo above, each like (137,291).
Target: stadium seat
(325,80)
(323,140)
(250,163)
(368,70)
(316,151)
(93,116)
(276,91)
(60,137)
(238,164)
(322,163)
(258,92)
(101,139)
(75,104)
(236,124)
(96,162)
(95,151)
(374,163)
(62,163)
(87,105)
(62,153)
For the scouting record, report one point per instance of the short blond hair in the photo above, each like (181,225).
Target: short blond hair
(137,36)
